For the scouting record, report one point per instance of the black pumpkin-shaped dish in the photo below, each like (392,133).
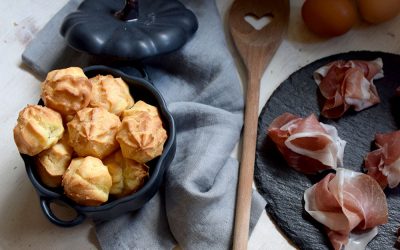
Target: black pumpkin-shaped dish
(105,28)
(140,89)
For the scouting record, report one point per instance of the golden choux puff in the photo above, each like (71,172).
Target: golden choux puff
(92,132)
(110,93)
(38,128)
(52,163)
(141,106)
(141,137)
(66,90)
(128,176)
(87,181)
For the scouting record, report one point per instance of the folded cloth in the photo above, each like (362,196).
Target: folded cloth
(195,207)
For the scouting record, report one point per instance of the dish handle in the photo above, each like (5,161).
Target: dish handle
(45,205)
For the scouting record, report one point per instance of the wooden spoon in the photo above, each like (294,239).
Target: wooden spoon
(256,48)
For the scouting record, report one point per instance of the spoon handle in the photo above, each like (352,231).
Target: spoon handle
(243,200)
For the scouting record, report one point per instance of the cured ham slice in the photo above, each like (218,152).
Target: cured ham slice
(383,164)
(350,205)
(306,144)
(346,84)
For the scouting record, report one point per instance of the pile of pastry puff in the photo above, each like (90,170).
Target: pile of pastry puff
(90,137)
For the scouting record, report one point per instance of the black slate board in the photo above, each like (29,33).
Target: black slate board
(283,187)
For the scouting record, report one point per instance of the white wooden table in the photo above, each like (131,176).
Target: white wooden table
(22,224)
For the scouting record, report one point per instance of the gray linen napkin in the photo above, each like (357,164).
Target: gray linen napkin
(195,207)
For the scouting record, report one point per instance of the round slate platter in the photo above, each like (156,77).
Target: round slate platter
(283,187)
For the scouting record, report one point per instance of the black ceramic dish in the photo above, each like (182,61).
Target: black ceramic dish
(140,89)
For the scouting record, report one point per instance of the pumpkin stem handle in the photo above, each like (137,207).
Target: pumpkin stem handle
(130,12)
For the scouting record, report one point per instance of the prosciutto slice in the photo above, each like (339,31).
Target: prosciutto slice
(383,164)
(346,84)
(306,144)
(350,205)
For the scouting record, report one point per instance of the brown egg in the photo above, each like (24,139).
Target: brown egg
(329,18)
(374,11)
